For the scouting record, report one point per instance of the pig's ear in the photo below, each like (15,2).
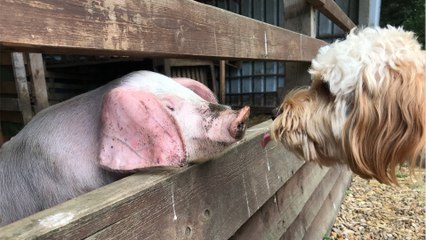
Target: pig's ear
(200,89)
(138,132)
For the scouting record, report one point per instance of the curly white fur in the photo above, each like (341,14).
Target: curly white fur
(365,106)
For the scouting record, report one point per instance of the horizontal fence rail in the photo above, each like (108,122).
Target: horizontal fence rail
(206,201)
(147,28)
(331,10)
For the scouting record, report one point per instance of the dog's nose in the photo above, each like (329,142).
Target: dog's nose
(275,112)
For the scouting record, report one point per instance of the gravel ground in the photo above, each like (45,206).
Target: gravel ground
(372,210)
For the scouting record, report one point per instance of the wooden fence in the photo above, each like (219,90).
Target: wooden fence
(246,193)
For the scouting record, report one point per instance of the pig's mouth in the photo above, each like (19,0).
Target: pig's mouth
(239,125)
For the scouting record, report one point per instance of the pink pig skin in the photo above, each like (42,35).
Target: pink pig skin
(198,88)
(148,119)
(139,133)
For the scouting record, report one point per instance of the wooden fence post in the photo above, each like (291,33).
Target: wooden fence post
(38,81)
(222,92)
(22,86)
(299,16)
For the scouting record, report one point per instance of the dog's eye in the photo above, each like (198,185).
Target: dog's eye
(325,87)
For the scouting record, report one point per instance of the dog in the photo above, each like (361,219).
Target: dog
(365,107)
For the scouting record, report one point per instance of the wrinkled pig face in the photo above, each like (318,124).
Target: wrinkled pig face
(153,120)
(207,128)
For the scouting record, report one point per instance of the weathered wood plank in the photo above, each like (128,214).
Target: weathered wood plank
(176,62)
(332,180)
(276,215)
(147,28)
(299,17)
(206,201)
(97,61)
(222,91)
(230,200)
(38,81)
(329,209)
(330,9)
(21,85)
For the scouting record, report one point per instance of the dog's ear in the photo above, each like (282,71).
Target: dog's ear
(138,132)
(386,125)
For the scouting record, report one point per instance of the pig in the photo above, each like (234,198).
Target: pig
(141,121)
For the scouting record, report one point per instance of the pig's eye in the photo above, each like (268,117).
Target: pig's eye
(170,107)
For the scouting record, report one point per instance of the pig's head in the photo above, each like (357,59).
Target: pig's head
(151,120)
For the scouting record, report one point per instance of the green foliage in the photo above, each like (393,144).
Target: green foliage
(416,186)
(401,174)
(410,14)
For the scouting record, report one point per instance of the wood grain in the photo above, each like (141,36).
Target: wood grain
(299,17)
(334,179)
(147,28)
(273,219)
(330,9)
(207,201)
(21,84)
(329,209)
(38,81)
(222,81)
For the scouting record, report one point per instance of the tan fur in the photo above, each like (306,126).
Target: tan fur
(372,121)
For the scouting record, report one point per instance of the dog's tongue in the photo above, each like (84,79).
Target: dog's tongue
(266,138)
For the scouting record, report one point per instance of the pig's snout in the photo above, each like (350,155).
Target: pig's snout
(239,125)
